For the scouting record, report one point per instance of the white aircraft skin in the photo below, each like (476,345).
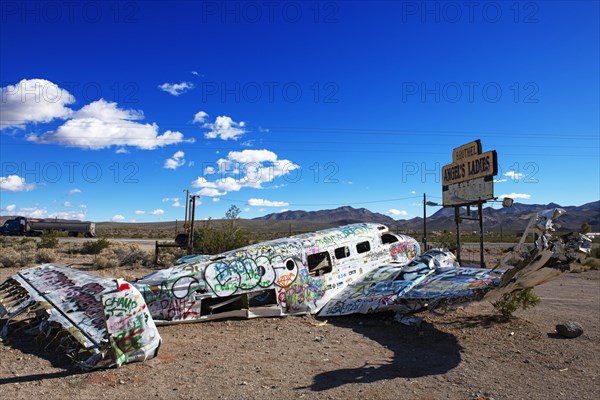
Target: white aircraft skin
(359,268)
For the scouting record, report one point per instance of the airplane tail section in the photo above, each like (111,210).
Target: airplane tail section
(98,322)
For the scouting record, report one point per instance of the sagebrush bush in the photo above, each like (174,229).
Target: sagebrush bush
(10,258)
(103,262)
(123,254)
(592,263)
(511,302)
(45,256)
(168,255)
(49,240)
(95,246)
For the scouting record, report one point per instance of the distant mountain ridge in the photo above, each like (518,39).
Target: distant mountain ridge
(514,218)
(341,215)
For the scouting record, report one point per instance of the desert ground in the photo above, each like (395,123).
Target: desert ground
(468,353)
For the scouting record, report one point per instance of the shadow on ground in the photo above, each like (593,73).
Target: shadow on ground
(418,351)
(19,339)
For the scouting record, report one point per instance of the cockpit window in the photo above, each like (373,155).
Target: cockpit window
(388,238)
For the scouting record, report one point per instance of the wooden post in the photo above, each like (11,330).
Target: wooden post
(482,256)
(156,253)
(457,220)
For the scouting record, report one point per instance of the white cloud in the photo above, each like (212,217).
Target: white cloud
(176,88)
(158,211)
(200,117)
(10,208)
(216,199)
(103,124)
(117,217)
(252,168)
(122,150)
(516,195)
(210,192)
(223,128)
(515,176)
(67,204)
(33,100)
(176,161)
(266,203)
(500,180)
(74,191)
(176,203)
(139,212)
(67,215)
(396,212)
(195,73)
(36,212)
(14,183)
(284,210)
(413,192)
(209,170)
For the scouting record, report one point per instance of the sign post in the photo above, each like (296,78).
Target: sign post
(469,181)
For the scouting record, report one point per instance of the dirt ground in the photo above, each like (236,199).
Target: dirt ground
(464,354)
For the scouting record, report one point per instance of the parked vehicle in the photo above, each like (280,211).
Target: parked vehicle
(22,226)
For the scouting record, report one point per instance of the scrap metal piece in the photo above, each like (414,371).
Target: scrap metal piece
(98,322)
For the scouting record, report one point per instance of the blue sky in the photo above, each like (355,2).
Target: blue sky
(110,110)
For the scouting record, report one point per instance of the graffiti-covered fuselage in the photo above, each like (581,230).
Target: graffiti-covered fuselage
(299,274)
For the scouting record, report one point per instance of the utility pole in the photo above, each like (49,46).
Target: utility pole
(185,221)
(424,222)
(192,213)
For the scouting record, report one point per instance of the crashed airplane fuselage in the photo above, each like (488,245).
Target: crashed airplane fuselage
(359,268)
(296,275)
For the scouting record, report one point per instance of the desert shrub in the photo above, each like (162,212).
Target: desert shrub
(592,263)
(122,254)
(211,240)
(45,256)
(511,302)
(10,257)
(49,240)
(95,246)
(24,247)
(26,240)
(445,240)
(103,262)
(168,255)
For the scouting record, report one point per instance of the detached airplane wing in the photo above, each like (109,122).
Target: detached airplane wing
(96,321)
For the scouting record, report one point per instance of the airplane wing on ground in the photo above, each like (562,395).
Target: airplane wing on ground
(435,280)
(430,278)
(98,322)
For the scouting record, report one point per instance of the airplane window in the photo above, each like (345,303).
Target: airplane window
(319,263)
(363,247)
(342,252)
(388,238)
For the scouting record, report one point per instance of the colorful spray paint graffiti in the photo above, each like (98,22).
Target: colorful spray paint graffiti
(130,327)
(93,312)
(106,322)
(302,296)
(404,250)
